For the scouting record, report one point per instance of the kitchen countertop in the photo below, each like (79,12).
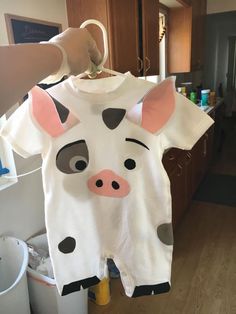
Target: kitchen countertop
(209,109)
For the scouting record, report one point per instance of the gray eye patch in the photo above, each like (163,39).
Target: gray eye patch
(73,157)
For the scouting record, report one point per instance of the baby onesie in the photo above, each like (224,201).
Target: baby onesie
(107,194)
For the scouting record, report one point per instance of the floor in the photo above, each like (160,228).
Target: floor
(204,261)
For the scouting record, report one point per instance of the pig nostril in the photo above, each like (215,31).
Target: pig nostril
(99,183)
(115,185)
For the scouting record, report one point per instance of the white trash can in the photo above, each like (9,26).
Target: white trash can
(44,296)
(14,297)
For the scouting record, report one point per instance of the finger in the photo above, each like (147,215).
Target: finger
(95,54)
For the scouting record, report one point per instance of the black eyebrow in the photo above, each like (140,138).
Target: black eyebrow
(136,141)
(70,144)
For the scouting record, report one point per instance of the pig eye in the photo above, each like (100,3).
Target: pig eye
(130,164)
(73,157)
(78,163)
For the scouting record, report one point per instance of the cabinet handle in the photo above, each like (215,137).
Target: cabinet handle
(139,65)
(180,170)
(171,157)
(189,156)
(147,68)
(205,144)
(205,147)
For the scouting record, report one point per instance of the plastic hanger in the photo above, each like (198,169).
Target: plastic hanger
(100,68)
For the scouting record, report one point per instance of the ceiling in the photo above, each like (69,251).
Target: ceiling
(170,3)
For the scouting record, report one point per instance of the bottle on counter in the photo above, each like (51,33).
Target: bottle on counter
(182,91)
(199,88)
(193,97)
(100,293)
(205,97)
(212,98)
(186,88)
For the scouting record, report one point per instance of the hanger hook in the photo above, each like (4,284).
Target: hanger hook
(105,41)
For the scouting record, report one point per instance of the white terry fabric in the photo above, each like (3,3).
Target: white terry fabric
(124,229)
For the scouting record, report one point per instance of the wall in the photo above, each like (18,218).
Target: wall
(216,53)
(21,205)
(218,28)
(47,10)
(217,6)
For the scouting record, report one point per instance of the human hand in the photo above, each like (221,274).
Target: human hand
(79,55)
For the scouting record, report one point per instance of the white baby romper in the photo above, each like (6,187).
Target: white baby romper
(107,194)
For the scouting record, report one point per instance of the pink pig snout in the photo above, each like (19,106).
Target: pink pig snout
(107,183)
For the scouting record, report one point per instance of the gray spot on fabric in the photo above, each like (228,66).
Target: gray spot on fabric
(73,157)
(165,233)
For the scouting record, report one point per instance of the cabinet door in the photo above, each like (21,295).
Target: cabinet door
(199,162)
(170,159)
(201,157)
(124,36)
(79,11)
(150,36)
(198,31)
(186,37)
(179,40)
(178,190)
(132,27)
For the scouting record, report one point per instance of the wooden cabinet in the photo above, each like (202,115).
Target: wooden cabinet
(132,27)
(198,33)
(179,179)
(186,169)
(201,156)
(179,40)
(186,37)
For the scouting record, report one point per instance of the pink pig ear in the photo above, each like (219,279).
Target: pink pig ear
(45,113)
(158,106)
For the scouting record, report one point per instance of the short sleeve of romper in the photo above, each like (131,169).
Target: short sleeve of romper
(186,126)
(22,134)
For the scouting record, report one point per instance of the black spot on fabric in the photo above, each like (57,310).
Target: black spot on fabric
(165,233)
(133,140)
(112,117)
(67,245)
(151,289)
(76,285)
(115,185)
(130,164)
(99,183)
(62,110)
(80,165)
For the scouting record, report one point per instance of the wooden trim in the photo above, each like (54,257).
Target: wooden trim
(185,3)
(163,8)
